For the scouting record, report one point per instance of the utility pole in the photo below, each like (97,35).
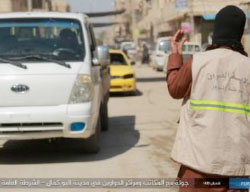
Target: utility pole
(191,14)
(29,3)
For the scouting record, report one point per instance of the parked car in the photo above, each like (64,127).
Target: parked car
(188,50)
(129,48)
(122,74)
(161,53)
(54,79)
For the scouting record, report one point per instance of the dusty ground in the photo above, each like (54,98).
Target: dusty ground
(138,145)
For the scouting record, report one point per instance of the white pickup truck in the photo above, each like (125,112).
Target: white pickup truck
(54,80)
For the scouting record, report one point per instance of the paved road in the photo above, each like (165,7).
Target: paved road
(138,145)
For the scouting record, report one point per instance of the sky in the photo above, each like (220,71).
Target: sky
(93,6)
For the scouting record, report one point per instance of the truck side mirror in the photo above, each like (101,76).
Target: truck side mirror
(102,56)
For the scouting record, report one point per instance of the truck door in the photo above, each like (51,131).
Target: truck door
(105,72)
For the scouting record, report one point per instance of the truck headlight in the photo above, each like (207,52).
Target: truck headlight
(82,91)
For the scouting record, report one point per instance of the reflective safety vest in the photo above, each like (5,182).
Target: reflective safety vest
(214,131)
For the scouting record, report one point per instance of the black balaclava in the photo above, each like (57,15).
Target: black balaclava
(229,28)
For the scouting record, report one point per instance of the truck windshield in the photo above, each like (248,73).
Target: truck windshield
(58,39)
(164,46)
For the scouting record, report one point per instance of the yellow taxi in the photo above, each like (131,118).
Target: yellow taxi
(122,73)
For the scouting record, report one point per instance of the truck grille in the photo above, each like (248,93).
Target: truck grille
(30,127)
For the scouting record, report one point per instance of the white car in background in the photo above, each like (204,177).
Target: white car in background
(188,50)
(129,47)
(161,53)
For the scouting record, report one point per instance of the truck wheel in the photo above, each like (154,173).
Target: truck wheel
(104,117)
(92,145)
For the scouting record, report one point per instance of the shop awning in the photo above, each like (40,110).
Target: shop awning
(248,15)
(209,16)
(212,16)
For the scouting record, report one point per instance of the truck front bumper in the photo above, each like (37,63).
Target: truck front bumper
(42,122)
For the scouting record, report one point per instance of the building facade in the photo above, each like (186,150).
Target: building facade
(12,5)
(125,29)
(150,19)
(60,6)
(196,17)
(33,5)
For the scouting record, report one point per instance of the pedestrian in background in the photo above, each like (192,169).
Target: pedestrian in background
(145,54)
(213,138)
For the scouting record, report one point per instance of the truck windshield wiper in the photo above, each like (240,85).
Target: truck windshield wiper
(13,63)
(44,58)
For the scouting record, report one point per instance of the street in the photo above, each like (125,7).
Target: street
(138,144)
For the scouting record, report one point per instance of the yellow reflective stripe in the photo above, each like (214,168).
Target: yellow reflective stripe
(221,109)
(219,103)
(220,106)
